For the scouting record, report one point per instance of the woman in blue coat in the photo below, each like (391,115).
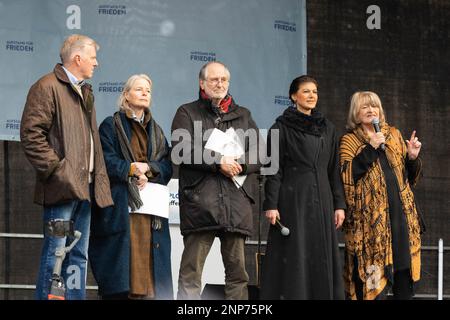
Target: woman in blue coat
(130,252)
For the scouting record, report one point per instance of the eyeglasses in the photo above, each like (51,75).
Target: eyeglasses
(215,81)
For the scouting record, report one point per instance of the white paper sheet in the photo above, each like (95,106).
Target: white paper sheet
(228,144)
(217,141)
(239,180)
(156,200)
(234,147)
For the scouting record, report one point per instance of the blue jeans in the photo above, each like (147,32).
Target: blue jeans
(74,266)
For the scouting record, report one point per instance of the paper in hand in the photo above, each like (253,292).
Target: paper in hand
(227,144)
(156,200)
(217,141)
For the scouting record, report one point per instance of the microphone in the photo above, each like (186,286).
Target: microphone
(284,231)
(376,126)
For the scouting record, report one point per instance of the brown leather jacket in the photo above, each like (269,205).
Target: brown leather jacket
(55,137)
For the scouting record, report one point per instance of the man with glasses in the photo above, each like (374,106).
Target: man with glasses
(212,203)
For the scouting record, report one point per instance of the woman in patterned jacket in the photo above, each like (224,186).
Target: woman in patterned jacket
(382,225)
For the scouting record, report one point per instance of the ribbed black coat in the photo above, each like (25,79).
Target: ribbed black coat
(306,190)
(208,199)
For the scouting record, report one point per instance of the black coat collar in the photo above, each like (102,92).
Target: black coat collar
(314,124)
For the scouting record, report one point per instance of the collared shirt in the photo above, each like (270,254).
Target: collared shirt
(132,115)
(75,82)
(72,78)
(141,120)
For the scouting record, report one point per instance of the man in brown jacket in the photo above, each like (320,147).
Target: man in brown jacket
(60,138)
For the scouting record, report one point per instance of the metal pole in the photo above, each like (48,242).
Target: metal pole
(258,260)
(22,235)
(6,170)
(440,269)
(7,263)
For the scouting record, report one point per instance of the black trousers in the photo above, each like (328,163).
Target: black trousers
(403,285)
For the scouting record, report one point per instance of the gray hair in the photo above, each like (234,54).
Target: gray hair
(360,99)
(203,74)
(73,44)
(122,101)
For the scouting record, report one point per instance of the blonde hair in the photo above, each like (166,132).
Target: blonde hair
(360,99)
(73,44)
(122,101)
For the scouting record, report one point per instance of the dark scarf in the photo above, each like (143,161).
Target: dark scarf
(158,150)
(224,104)
(311,124)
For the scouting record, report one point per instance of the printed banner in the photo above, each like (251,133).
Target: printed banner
(263,42)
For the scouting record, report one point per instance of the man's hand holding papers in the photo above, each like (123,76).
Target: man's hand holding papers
(228,144)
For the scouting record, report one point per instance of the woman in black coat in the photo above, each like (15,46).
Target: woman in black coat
(307,196)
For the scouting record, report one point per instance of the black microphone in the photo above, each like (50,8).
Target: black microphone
(376,126)
(284,231)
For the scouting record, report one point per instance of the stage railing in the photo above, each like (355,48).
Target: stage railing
(26,286)
(440,248)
